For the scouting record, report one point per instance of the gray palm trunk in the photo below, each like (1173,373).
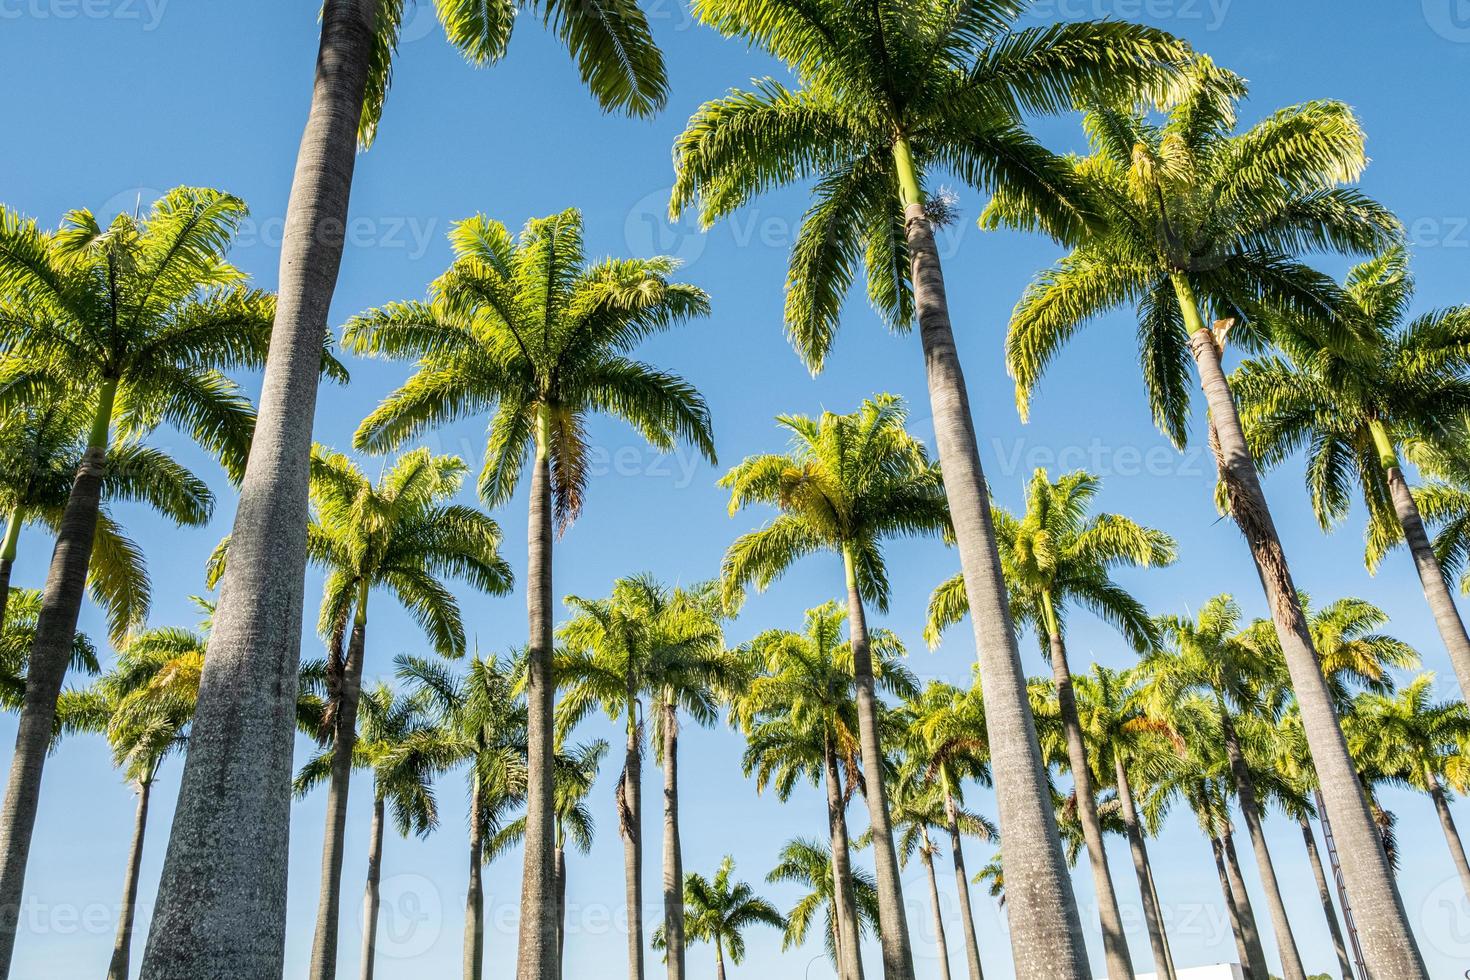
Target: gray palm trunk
(673,858)
(1046,933)
(844,898)
(1250,810)
(630,819)
(474,902)
(941,944)
(1153,890)
(1451,835)
(719,959)
(537,953)
(56,626)
(561,908)
(962,885)
(122,946)
(221,911)
(1237,926)
(1256,953)
(371,895)
(893,929)
(1387,939)
(1324,893)
(1115,942)
(334,837)
(1152,915)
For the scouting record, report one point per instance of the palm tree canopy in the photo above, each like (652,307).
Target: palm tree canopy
(808,864)
(521,329)
(1410,738)
(718,910)
(18,634)
(1212,655)
(946,732)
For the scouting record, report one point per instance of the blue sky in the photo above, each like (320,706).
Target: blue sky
(116,100)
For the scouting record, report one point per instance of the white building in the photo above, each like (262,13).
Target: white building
(1220,971)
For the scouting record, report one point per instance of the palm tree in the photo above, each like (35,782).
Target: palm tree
(1054,555)
(524,331)
(622,67)
(848,482)
(137,319)
(1355,402)
(1421,743)
(665,646)
(1184,218)
(887,95)
(718,911)
(809,863)
(18,635)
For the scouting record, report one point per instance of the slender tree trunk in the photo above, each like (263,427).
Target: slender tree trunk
(561,908)
(719,960)
(371,894)
(1387,938)
(1115,941)
(123,944)
(1237,927)
(962,885)
(1153,890)
(1152,915)
(1046,933)
(630,806)
(1325,894)
(56,627)
(474,902)
(8,550)
(537,956)
(673,858)
(334,837)
(893,928)
(940,942)
(1451,835)
(1291,962)
(221,910)
(1431,576)
(844,899)
(1249,930)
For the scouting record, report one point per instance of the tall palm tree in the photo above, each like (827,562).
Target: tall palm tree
(718,911)
(622,67)
(523,330)
(1187,218)
(1355,402)
(847,483)
(810,864)
(138,319)
(888,95)
(647,643)
(1053,556)
(1421,743)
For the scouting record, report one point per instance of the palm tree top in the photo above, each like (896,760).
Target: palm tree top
(1410,738)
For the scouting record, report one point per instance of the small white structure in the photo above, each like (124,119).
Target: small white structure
(1220,971)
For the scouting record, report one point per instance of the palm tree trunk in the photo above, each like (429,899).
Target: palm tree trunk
(962,885)
(371,894)
(1115,942)
(1046,933)
(1291,962)
(1325,894)
(844,899)
(893,928)
(1451,836)
(940,942)
(1153,890)
(8,550)
(334,838)
(719,961)
(1152,916)
(123,944)
(561,908)
(673,859)
(56,627)
(474,902)
(537,955)
(1431,576)
(1256,953)
(1237,927)
(221,911)
(1387,939)
(630,818)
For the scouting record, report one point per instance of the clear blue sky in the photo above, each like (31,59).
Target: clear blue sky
(110,100)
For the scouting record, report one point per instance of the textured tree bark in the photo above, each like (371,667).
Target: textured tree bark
(893,927)
(1291,962)
(537,953)
(673,858)
(844,901)
(962,887)
(1152,915)
(561,909)
(371,894)
(474,902)
(221,910)
(941,944)
(1115,942)
(1344,964)
(334,837)
(630,801)
(1256,953)
(1046,933)
(1237,927)
(1451,835)
(1388,942)
(122,946)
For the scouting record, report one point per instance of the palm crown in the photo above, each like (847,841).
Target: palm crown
(1411,738)
(808,863)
